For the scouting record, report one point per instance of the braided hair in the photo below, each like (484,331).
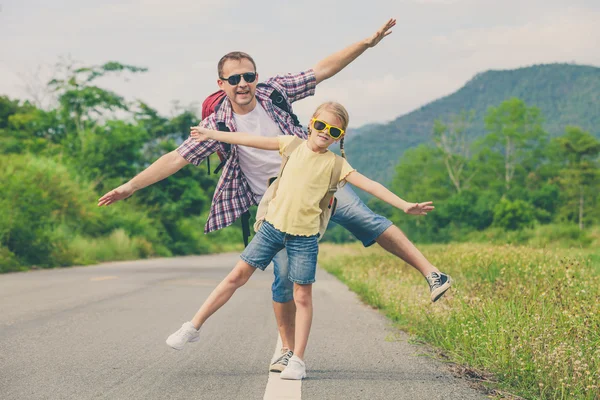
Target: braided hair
(342,147)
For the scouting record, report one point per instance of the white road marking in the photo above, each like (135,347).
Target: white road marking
(103,278)
(281,389)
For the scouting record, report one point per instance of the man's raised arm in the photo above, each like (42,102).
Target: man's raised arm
(162,168)
(333,64)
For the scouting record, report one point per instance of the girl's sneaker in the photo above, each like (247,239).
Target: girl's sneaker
(438,284)
(295,370)
(187,333)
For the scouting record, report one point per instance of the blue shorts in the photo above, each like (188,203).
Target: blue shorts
(351,213)
(301,251)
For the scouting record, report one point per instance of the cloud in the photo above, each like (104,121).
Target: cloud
(568,36)
(561,37)
(387,97)
(436,46)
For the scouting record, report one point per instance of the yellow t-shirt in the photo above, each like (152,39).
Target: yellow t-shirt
(304,182)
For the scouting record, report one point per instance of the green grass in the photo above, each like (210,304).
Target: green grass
(115,247)
(564,236)
(528,316)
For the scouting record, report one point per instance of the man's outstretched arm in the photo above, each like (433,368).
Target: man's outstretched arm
(162,168)
(333,64)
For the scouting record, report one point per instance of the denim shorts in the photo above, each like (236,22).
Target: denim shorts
(351,213)
(301,251)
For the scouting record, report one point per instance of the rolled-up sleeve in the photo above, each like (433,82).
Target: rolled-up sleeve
(195,152)
(296,86)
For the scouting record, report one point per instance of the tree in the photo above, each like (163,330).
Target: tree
(582,174)
(83,102)
(452,140)
(515,130)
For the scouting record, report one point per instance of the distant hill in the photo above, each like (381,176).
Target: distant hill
(567,94)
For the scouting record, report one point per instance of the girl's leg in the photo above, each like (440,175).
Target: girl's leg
(219,296)
(223,292)
(304,314)
(259,253)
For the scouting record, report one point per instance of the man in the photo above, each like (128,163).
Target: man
(249,108)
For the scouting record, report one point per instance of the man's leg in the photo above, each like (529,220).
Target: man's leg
(368,227)
(395,241)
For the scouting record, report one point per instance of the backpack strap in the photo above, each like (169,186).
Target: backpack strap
(289,149)
(280,102)
(333,183)
(287,152)
(246,227)
(223,128)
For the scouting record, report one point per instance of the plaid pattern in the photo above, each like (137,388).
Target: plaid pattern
(233,196)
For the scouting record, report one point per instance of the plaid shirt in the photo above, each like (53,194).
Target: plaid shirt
(233,196)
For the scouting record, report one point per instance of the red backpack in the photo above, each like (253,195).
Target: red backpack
(211,105)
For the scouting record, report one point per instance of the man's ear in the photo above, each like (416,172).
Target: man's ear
(220,83)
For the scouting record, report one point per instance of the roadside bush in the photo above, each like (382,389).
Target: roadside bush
(43,209)
(513,215)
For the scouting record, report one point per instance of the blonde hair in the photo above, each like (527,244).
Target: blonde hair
(340,112)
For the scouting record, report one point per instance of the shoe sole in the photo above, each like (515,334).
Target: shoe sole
(181,348)
(276,368)
(439,292)
(293,379)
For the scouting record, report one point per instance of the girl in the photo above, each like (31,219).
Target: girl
(292,221)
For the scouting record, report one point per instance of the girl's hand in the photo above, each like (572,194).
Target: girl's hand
(418,208)
(200,134)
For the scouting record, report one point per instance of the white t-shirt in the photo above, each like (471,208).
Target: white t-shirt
(258,165)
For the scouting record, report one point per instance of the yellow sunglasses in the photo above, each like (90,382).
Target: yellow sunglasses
(332,131)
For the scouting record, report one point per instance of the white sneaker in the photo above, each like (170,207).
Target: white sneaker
(187,333)
(295,370)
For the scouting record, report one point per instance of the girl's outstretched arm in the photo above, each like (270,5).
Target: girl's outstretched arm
(244,139)
(382,193)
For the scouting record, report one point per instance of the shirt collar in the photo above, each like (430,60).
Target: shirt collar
(225,112)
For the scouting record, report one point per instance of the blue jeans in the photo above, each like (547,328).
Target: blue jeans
(351,213)
(301,251)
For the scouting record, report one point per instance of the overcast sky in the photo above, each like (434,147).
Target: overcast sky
(436,46)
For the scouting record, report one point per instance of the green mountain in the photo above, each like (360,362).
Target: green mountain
(566,94)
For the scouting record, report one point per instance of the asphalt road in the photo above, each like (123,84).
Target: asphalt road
(98,332)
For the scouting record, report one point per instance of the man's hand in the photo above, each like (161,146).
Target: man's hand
(336,62)
(120,193)
(419,208)
(200,134)
(381,33)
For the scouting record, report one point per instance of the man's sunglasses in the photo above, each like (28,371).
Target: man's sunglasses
(333,131)
(235,79)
